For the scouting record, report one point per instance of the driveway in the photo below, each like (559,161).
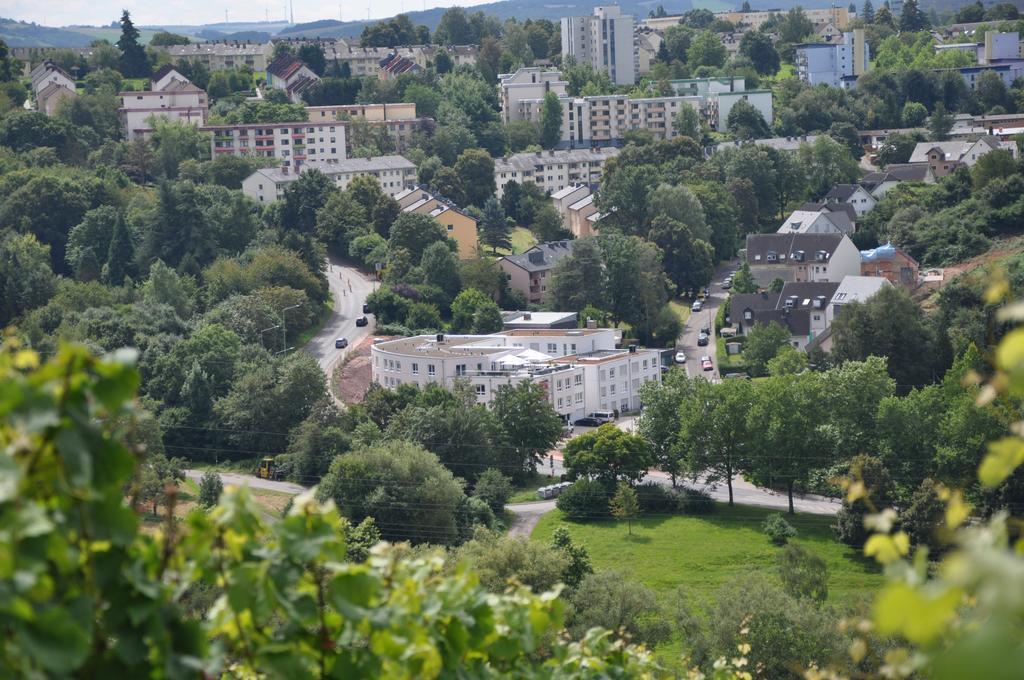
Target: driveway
(705,318)
(349,289)
(526,516)
(254,482)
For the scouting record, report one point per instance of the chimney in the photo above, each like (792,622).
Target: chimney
(591,324)
(632,349)
(527,316)
(439,338)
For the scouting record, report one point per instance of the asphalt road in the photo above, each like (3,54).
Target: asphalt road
(705,318)
(349,289)
(254,482)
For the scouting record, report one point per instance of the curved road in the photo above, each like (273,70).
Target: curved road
(254,482)
(349,289)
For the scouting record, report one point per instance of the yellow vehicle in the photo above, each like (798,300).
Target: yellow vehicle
(267,469)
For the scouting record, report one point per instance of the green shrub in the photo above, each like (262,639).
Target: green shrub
(493,488)
(656,498)
(585,499)
(778,529)
(694,502)
(210,489)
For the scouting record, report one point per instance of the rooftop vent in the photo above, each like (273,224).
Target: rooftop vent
(439,338)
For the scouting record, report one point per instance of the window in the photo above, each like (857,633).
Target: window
(645,364)
(415,369)
(560,403)
(579,397)
(611,373)
(481,390)
(604,392)
(612,389)
(460,369)
(430,369)
(579,379)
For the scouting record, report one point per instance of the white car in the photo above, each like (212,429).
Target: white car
(696,306)
(680,357)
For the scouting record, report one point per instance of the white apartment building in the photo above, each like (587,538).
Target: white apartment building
(553,171)
(836,16)
(834,64)
(294,144)
(171,96)
(718,95)
(394,173)
(606,40)
(527,83)
(221,56)
(580,370)
(399,120)
(605,119)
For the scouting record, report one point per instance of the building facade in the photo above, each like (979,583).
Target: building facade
(801,257)
(222,56)
(553,170)
(530,272)
(171,96)
(606,40)
(459,226)
(890,263)
(293,144)
(834,64)
(394,173)
(579,370)
(717,96)
(530,83)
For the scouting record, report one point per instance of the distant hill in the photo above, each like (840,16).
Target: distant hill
(23,34)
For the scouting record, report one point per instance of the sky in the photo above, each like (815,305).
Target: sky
(187,12)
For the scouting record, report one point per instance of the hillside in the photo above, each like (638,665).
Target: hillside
(23,34)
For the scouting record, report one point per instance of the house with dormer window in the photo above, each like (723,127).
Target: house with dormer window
(800,257)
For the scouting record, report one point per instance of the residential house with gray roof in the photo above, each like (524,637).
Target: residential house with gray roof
(530,272)
(801,257)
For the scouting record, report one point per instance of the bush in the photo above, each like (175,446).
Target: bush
(493,488)
(611,600)
(393,329)
(585,499)
(695,502)
(778,529)
(210,489)
(656,498)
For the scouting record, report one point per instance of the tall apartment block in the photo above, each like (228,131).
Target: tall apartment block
(834,64)
(606,40)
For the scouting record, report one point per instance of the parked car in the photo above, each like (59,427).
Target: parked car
(702,340)
(362,321)
(727,284)
(366,308)
(341,343)
(680,357)
(705,363)
(706,330)
(706,291)
(588,421)
(696,306)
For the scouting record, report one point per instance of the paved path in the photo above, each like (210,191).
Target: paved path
(705,318)
(526,516)
(348,306)
(254,482)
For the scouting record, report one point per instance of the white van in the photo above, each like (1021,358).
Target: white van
(604,416)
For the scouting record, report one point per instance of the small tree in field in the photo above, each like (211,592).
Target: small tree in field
(210,489)
(625,505)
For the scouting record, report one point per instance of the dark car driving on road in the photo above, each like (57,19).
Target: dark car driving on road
(362,321)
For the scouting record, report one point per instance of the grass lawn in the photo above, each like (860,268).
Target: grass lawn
(325,314)
(703,553)
(522,240)
(680,308)
(527,492)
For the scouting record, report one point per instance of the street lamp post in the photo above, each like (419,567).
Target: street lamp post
(284,329)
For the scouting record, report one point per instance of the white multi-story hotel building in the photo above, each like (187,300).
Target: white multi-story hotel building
(581,370)
(606,40)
